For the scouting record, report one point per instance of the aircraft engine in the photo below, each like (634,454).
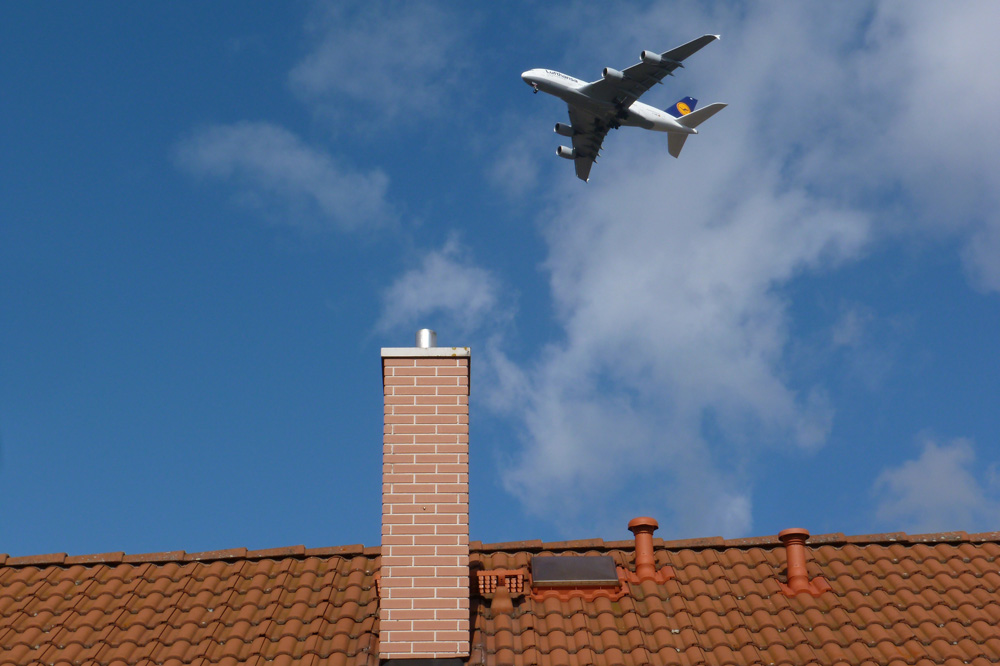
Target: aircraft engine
(568,153)
(650,57)
(563,130)
(613,74)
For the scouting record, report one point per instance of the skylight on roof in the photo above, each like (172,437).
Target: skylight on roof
(573,570)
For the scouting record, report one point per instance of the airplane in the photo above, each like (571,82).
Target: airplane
(613,101)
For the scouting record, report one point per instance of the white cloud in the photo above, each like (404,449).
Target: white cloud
(385,61)
(445,291)
(671,320)
(667,276)
(937,491)
(918,105)
(294,183)
(935,71)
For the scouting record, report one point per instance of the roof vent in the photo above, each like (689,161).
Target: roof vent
(794,539)
(643,528)
(500,586)
(645,561)
(426,338)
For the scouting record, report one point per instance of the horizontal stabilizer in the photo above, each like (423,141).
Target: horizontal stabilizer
(696,118)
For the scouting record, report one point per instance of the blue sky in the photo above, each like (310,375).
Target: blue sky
(213,215)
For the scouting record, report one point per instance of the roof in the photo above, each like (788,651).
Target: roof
(281,606)
(894,599)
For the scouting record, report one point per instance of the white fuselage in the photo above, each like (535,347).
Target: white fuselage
(573,92)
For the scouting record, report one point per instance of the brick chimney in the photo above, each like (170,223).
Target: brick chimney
(424,585)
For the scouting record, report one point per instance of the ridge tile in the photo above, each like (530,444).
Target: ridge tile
(97,558)
(171,556)
(36,560)
(231,554)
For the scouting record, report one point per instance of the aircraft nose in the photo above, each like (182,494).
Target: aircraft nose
(526,77)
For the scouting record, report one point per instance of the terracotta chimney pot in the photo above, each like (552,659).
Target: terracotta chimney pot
(794,540)
(643,528)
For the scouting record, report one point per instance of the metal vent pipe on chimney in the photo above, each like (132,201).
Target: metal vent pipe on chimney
(426,338)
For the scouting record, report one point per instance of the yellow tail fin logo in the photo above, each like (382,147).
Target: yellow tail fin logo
(682,107)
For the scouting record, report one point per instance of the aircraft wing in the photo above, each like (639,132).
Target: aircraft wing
(588,135)
(642,76)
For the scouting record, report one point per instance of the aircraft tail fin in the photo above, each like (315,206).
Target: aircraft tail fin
(682,107)
(675,140)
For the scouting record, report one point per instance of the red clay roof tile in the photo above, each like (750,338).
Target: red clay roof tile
(894,599)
